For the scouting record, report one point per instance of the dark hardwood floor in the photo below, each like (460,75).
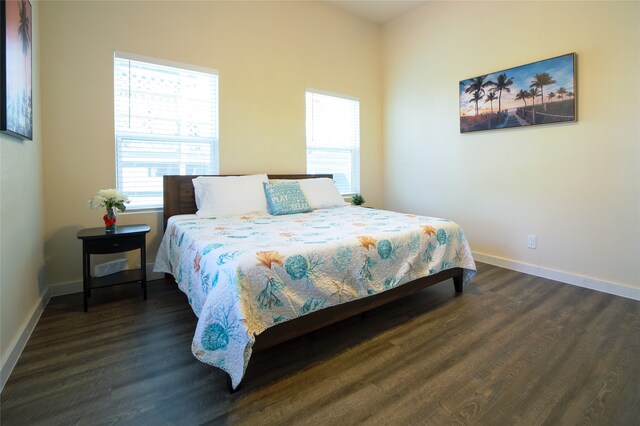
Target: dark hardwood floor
(512,349)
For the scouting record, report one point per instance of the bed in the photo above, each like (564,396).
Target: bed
(256,280)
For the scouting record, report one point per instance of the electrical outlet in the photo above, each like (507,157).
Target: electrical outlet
(531,241)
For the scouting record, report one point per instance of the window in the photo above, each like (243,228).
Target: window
(166,122)
(333,138)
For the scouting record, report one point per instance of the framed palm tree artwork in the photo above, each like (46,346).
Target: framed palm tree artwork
(537,93)
(16,114)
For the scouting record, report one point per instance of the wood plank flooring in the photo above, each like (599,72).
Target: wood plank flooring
(513,349)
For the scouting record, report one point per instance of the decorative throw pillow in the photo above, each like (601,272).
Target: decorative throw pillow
(285,198)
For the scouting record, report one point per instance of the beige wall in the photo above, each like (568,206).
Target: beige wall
(266,53)
(21,209)
(576,186)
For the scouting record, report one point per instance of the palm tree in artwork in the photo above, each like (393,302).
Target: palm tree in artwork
(24,27)
(24,31)
(477,85)
(502,83)
(477,96)
(490,98)
(533,92)
(522,95)
(551,95)
(540,80)
(561,92)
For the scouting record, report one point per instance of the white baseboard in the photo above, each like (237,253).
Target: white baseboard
(564,277)
(71,287)
(19,343)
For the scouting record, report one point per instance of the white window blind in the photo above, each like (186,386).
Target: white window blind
(333,138)
(166,122)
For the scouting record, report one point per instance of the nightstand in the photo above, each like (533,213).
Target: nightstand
(99,241)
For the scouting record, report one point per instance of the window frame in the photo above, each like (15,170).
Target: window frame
(212,141)
(354,150)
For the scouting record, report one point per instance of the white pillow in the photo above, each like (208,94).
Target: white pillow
(321,193)
(230,195)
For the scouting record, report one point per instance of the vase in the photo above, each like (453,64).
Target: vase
(110,219)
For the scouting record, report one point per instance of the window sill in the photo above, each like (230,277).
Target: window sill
(142,211)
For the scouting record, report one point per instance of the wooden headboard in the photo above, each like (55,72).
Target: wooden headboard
(179,197)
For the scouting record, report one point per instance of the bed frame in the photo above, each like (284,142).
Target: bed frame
(179,198)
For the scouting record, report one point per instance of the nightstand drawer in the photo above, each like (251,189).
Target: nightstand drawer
(116,244)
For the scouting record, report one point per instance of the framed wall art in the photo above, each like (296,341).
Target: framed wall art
(16,112)
(541,92)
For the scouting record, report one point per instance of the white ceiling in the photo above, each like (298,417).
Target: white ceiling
(379,11)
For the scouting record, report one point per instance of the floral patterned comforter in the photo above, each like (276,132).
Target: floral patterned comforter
(243,274)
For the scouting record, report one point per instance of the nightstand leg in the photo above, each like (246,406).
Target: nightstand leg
(85,280)
(143,265)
